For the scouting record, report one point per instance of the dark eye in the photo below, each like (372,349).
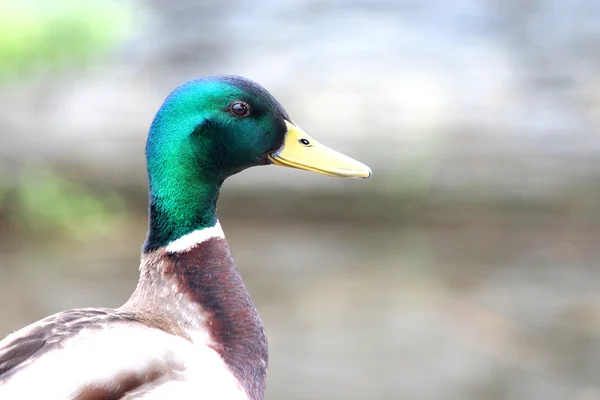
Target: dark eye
(304,141)
(240,109)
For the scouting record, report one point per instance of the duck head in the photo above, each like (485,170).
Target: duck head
(211,128)
(227,123)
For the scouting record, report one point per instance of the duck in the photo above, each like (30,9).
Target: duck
(190,329)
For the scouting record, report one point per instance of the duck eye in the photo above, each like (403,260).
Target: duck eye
(240,109)
(305,142)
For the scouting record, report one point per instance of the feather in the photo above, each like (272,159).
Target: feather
(110,354)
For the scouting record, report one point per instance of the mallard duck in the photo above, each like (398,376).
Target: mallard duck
(190,329)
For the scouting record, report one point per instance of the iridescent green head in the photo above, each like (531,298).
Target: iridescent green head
(215,127)
(209,129)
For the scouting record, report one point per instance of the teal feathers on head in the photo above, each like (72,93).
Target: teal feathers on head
(198,120)
(206,130)
(209,129)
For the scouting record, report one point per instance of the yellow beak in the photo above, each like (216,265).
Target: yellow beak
(303,152)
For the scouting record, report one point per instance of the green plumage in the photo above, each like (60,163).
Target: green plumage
(195,142)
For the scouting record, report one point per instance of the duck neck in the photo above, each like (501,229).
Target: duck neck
(180,208)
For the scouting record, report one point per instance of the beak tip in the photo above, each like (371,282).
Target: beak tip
(366,170)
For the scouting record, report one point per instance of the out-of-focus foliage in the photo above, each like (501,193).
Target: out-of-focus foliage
(39,35)
(3,188)
(45,202)
(57,33)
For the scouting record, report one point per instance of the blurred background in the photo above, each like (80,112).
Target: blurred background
(466,268)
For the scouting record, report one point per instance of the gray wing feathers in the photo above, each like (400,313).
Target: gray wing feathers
(31,342)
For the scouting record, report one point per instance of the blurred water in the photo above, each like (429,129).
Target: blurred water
(371,311)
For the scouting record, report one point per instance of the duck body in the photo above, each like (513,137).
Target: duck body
(114,356)
(190,329)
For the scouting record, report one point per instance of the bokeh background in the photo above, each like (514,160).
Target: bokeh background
(466,268)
